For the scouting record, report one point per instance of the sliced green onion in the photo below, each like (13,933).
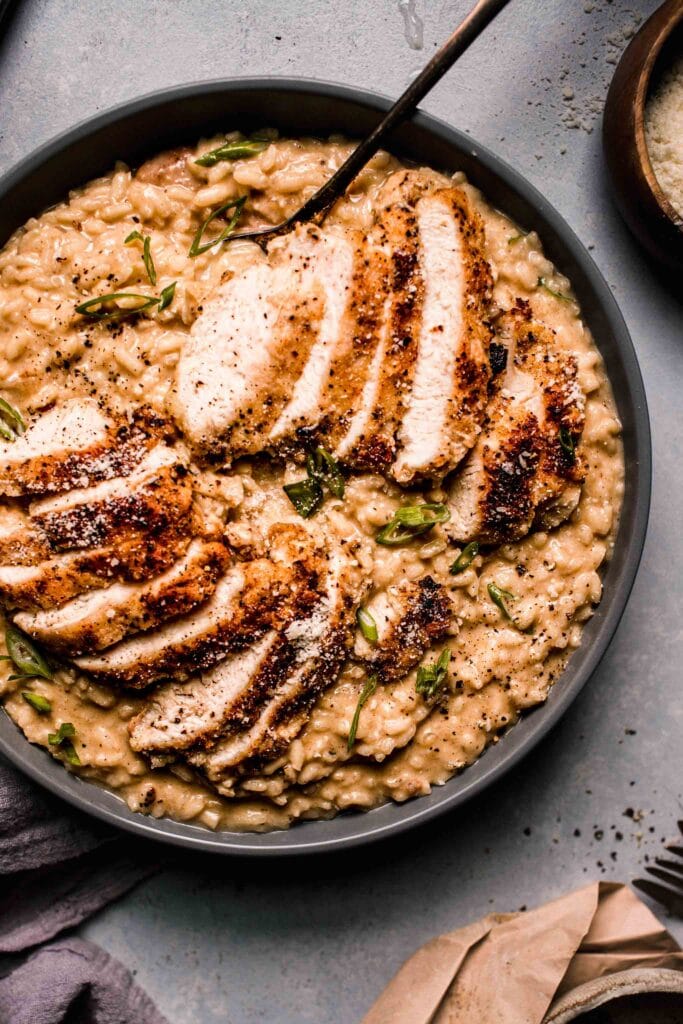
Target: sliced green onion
(431,678)
(147,259)
(305,495)
(11,421)
(166,297)
(240,150)
(40,704)
(567,443)
(499,597)
(162,301)
(411,521)
(552,291)
(63,740)
(367,624)
(465,558)
(324,467)
(25,655)
(197,248)
(517,238)
(88,308)
(365,694)
(137,236)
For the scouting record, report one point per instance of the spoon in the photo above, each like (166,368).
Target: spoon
(318,206)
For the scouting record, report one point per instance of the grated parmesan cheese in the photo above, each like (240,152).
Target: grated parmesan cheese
(664,134)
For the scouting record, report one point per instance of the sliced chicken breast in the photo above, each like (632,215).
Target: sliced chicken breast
(77,444)
(103,617)
(320,643)
(527,465)
(447,400)
(245,352)
(21,542)
(250,599)
(333,259)
(55,581)
(425,391)
(410,617)
(157,494)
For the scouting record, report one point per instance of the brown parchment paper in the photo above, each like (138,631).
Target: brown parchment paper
(510,968)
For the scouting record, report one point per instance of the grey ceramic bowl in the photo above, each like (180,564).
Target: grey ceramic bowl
(138,129)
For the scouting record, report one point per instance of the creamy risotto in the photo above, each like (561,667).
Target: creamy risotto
(517,608)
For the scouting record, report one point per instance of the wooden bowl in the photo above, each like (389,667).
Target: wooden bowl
(653,220)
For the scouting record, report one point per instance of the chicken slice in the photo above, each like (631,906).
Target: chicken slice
(57,580)
(157,494)
(527,466)
(410,617)
(182,714)
(250,599)
(103,617)
(446,404)
(245,352)
(314,648)
(21,542)
(76,444)
(370,442)
(335,260)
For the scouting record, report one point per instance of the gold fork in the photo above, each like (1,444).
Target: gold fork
(669,871)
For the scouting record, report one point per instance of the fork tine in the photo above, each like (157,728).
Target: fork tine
(671,900)
(680,826)
(676,850)
(675,866)
(665,876)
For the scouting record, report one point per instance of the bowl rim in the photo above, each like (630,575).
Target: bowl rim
(370,826)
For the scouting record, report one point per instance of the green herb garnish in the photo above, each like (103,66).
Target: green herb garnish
(499,597)
(197,248)
(517,238)
(166,297)
(411,521)
(233,151)
(431,678)
(40,704)
(25,656)
(367,624)
(542,283)
(365,694)
(136,236)
(146,302)
(323,470)
(11,421)
(465,558)
(63,740)
(305,495)
(567,443)
(324,467)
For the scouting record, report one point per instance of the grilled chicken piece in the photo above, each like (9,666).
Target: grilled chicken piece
(76,445)
(103,617)
(310,656)
(58,579)
(244,354)
(410,617)
(343,266)
(375,344)
(250,599)
(527,466)
(157,494)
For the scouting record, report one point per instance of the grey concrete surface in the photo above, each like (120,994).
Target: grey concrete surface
(234,942)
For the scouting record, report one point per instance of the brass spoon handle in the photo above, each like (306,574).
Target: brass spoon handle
(320,203)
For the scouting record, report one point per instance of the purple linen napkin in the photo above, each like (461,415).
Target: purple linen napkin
(57,868)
